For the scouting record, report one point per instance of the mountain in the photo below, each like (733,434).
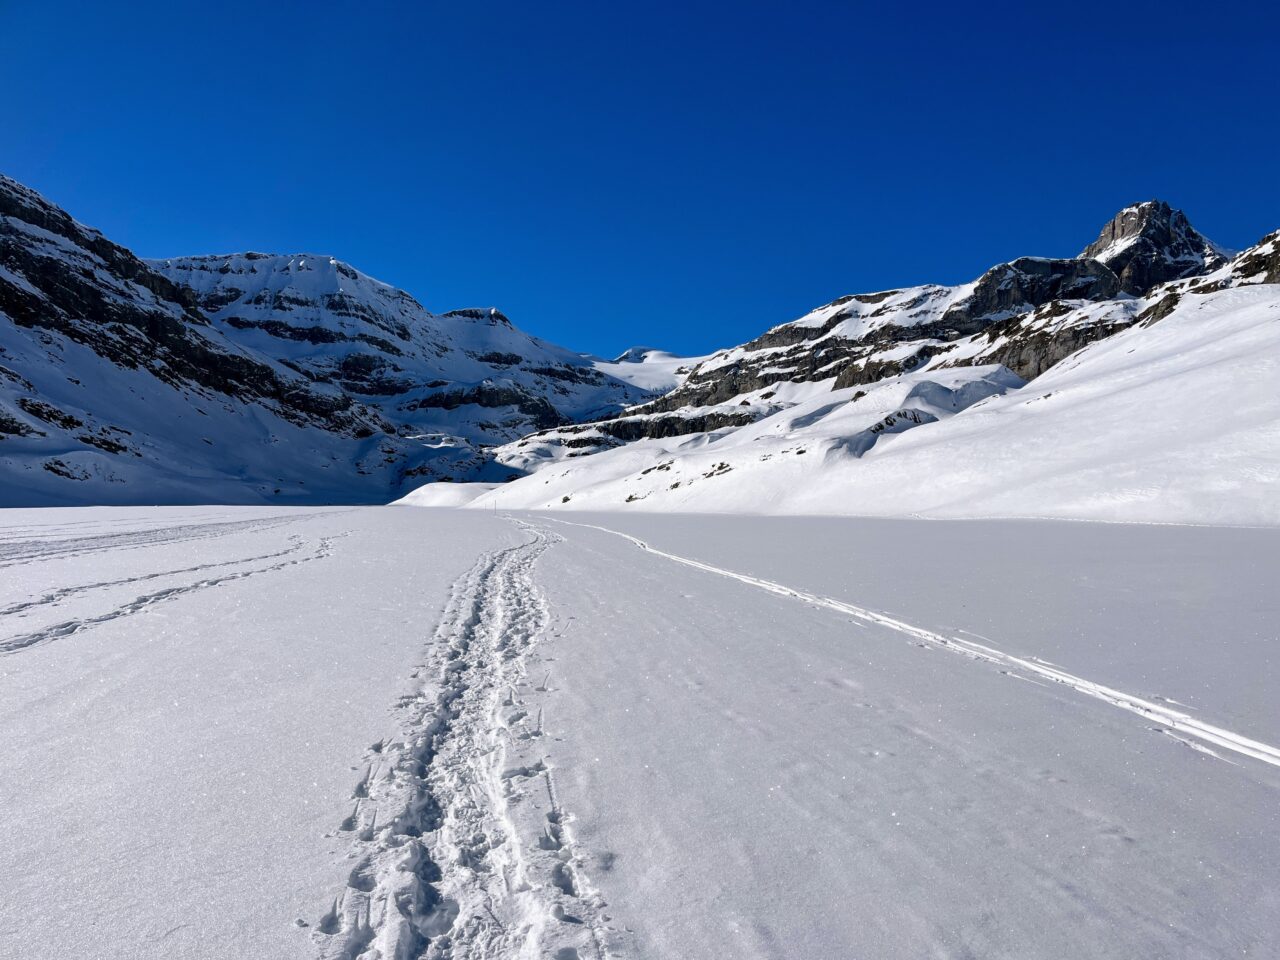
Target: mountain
(468,374)
(655,370)
(1025,315)
(296,378)
(250,377)
(1151,243)
(1169,395)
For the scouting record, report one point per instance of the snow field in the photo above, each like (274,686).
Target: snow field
(403,732)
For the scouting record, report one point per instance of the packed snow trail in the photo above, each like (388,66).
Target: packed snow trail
(1154,712)
(442,868)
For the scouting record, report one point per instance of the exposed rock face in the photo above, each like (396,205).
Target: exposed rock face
(1259,264)
(493,396)
(336,325)
(1026,283)
(65,278)
(1026,315)
(1029,344)
(1151,243)
(263,376)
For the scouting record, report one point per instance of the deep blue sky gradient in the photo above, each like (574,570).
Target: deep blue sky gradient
(678,174)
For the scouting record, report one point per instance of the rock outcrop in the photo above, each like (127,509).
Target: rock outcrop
(250,377)
(1027,315)
(1151,243)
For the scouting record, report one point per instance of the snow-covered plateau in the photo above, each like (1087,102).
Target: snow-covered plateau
(396,732)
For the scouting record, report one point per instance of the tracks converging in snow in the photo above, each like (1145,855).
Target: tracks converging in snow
(64,593)
(22,551)
(294,554)
(460,847)
(1168,720)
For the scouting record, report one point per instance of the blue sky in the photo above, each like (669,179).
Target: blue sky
(682,175)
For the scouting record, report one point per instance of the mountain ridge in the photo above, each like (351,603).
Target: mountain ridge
(256,377)
(812,411)
(119,383)
(1026,314)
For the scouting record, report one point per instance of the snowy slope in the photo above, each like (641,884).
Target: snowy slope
(467,374)
(114,388)
(1146,425)
(1025,315)
(657,371)
(802,425)
(379,732)
(250,378)
(1173,416)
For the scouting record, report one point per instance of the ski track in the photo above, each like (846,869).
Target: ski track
(1169,720)
(447,860)
(20,551)
(57,596)
(15,644)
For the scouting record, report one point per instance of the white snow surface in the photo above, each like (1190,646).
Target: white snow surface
(1178,421)
(445,494)
(381,732)
(655,370)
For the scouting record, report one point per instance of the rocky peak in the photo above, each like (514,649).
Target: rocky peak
(1151,243)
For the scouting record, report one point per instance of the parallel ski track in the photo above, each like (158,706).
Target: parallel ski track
(35,550)
(63,593)
(67,628)
(1167,718)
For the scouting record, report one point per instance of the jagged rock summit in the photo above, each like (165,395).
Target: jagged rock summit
(1150,243)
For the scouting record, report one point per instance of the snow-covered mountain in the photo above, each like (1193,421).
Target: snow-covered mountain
(655,370)
(467,375)
(297,378)
(252,377)
(1170,394)
(1026,315)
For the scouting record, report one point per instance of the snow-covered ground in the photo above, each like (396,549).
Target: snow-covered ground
(427,732)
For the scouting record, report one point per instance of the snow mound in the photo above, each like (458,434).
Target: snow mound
(445,494)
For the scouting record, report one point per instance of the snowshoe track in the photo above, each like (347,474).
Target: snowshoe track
(441,868)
